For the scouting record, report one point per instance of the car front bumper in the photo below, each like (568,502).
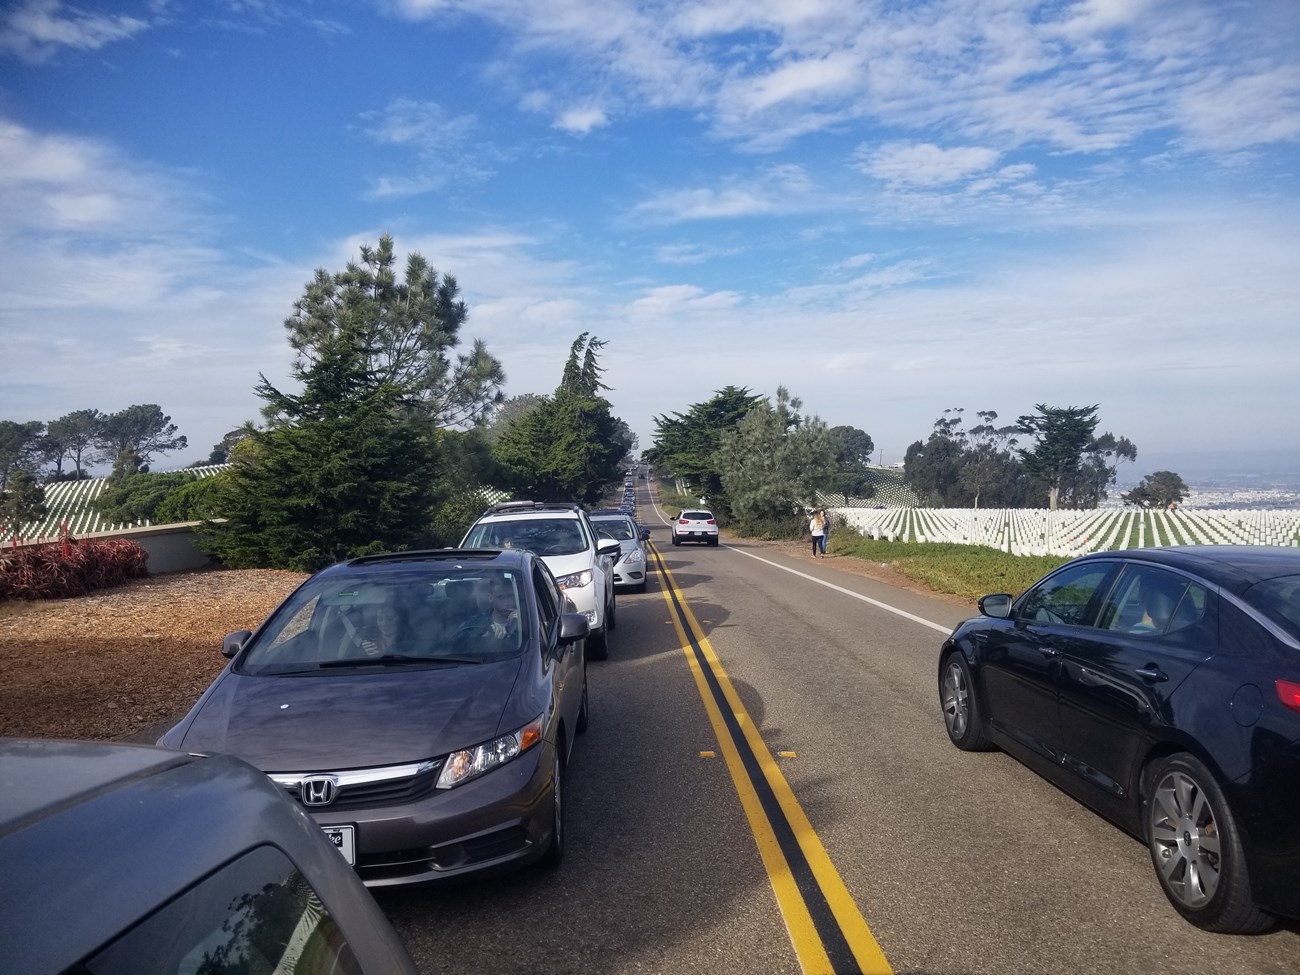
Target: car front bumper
(499,820)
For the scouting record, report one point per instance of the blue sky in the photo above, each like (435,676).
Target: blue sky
(890,208)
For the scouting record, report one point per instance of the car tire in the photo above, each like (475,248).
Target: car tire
(597,646)
(1182,803)
(713,542)
(611,613)
(645,584)
(584,710)
(961,714)
(676,540)
(554,854)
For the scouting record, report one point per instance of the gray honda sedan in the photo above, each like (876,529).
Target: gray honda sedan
(421,706)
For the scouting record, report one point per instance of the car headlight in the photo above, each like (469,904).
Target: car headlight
(633,556)
(576,580)
(470,763)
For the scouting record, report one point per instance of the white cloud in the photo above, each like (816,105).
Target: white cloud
(39,29)
(441,144)
(580,121)
(924,164)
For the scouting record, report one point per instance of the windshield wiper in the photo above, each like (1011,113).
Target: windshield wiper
(389,659)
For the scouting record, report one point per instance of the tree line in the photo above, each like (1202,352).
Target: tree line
(389,439)
(762,464)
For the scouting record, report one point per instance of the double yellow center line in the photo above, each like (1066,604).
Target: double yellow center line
(828,932)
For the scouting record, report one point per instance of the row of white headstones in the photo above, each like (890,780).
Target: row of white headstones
(1038,531)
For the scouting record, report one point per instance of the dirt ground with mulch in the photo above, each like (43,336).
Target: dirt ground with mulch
(120,662)
(124,663)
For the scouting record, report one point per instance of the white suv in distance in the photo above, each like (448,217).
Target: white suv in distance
(695,525)
(563,537)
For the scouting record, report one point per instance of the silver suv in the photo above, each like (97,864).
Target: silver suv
(563,536)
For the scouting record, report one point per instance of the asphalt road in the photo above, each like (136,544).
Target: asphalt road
(956,862)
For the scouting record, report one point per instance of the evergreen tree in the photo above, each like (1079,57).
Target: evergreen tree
(143,429)
(406,332)
(345,472)
(686,444)
(22,502)
(20,445)
(773,463)
(567,447)
(75,435)
(1159,489)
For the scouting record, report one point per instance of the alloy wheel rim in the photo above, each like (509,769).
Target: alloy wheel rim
(956,700)
(1185,840)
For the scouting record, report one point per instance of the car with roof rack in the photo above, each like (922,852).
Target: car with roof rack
(562,535)
(421,706)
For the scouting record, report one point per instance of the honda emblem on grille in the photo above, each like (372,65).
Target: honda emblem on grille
(318,790)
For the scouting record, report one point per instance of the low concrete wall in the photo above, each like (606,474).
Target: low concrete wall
(171,548)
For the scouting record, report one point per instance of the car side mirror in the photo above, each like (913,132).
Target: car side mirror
(645,534)
(234,642)
(998,606)
(608,546)
(573,627)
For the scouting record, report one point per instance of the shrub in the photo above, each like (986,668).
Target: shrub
(46,572)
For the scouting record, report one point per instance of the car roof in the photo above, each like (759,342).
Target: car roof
(1234,568)
(439,558)
(79,818)
(532,509)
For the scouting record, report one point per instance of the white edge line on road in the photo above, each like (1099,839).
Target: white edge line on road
(848,592)
(829,585)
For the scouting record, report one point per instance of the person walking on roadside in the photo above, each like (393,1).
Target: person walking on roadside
(817,528)
(826,530)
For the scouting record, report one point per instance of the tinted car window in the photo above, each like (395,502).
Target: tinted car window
(697,515)
(256,915)
(1279,600)
(543,536)
(1147,600)
(1065,596)
(548,605)
(343,619)
(619,528)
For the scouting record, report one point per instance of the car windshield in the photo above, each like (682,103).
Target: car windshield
(619,528)
(542,536)
(363,620)
(1279,600)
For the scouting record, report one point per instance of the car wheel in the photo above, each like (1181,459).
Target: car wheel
(611,613)
(713,542)
(676,540)
(584,711)
(961,714)
(555,852)
(597,646)
(1196,849)
(645,583)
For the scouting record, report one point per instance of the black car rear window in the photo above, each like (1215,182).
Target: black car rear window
(1279,600)
(698,515)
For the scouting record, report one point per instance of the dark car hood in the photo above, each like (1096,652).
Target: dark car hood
(354,720)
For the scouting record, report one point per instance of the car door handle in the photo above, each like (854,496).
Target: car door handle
(1151,672)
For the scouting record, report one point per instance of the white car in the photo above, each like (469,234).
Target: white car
(695,525)
(563,536)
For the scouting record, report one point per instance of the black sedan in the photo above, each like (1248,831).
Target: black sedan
(421,706)
(1161,687)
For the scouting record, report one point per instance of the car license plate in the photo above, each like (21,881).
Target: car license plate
(344,840)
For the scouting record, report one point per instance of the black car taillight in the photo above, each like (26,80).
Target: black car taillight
(1289,693)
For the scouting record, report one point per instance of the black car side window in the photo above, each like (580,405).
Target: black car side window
(1148,600)
(1065,597)
(548,602)
(257,914)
